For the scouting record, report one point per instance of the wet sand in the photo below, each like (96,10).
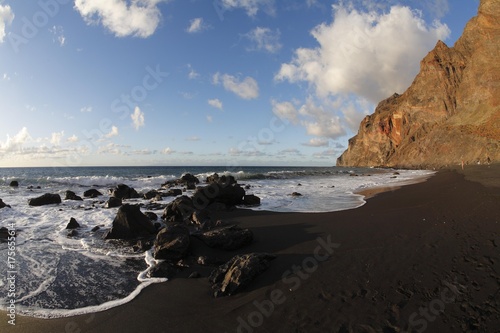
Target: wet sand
(425,257)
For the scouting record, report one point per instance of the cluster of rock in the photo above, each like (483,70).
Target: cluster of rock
(185,219)
(451,112)
(188,218)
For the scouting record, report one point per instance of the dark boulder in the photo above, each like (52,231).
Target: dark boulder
(14,183)
(251,200)
(151,194)
(227,238)
(123,191)
(172,243)
(73,224)
(164,269)
(152,216)
(70,195)
(238,273)
(4,234)
(46,199)
(129,223)
(200,217)
(113,202)
(296,194)
(3,204)
(189,178)
(179,210)
(173,192)
(229,194)
(92,193)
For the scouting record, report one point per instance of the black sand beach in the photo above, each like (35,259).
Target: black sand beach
(422,258)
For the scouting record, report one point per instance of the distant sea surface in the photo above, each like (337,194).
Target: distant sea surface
(57,275)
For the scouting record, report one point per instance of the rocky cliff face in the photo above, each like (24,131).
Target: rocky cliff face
(450,113)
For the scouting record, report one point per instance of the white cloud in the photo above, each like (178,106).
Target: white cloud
(193,138)
(246,89)
(264,39)
(196,25)
(317,142)
(86,109)
(6,18)
(286,111)
(112,133)
(138,18)
(6,77)
(16,142)
(250,6)
(362,53)
(192,73)
(56,138)
(137,118)
(58,35)
(216,103)
(210,119)
(167,151)
(73,139)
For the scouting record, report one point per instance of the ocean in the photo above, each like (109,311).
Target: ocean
(49,274)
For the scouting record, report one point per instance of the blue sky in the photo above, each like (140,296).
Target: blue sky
(202,82)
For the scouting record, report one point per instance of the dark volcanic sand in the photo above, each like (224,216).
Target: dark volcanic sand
(423,258)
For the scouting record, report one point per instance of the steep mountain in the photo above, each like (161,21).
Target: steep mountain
(449,114)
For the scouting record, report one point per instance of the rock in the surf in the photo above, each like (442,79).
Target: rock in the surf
(123,191)
(46,199)
(73,224)
(113,202)
(130,223)
(179,210)
(92,193)
(3,204)
(238,273)
(70,195)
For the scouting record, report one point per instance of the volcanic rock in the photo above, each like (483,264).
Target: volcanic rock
(228,238)
(113,202)
(73,224)
(123,191)
(129,223)
(3,204)
(70,195)
(92,193)
(238,273)
(46,199)
(172,243)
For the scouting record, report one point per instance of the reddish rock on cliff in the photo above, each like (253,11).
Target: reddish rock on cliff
(450,113)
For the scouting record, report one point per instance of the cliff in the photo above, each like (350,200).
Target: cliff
(449,114)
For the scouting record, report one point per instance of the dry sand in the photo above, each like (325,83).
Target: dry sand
(424,258)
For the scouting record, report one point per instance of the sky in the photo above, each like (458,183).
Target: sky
(205,82)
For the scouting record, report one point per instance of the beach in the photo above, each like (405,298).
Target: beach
(420,258)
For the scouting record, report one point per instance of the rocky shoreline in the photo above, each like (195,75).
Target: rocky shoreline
(184,219)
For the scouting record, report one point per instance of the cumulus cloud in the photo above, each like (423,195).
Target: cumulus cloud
(137,118)
(138,18)
(167,151)
(56,138)
(317,120)
(112,133)
(264,39)
(6,18)
(16,142)
(246,89)
(73,139)
(216,103)
(196,25)
(362,53)
(251,7)
(192,73)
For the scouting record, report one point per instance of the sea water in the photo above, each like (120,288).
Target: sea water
(57,275)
